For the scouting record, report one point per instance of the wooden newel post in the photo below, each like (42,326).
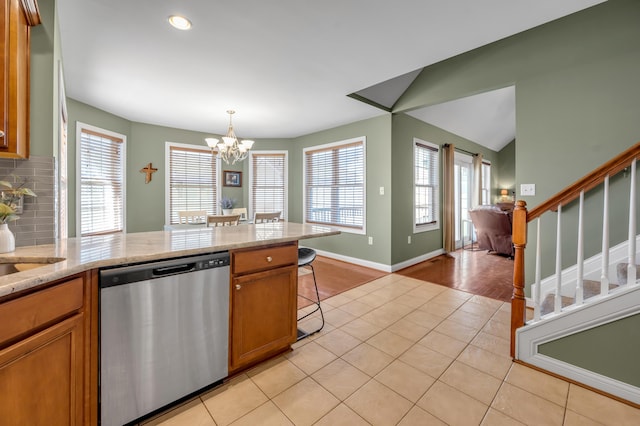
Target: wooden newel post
(518,302)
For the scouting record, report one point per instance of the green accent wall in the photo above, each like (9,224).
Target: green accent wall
(611,350)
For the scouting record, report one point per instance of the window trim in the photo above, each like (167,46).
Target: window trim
(80,126)
(285,212)
(327,146)
(488,189)
(167,175)
(427,226)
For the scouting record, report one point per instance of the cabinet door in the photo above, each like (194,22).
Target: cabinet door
(263,309)
(18,16)
(41,377)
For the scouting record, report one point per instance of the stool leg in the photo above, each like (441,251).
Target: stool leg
(303,334)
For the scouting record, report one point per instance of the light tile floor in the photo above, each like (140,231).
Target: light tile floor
(398,351)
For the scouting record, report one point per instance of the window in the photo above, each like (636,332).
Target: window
(426,190)
(268,182)
(192,180)
(334,185)
(486,182)
(101,184)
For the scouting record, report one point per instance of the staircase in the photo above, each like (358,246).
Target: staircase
(596,292)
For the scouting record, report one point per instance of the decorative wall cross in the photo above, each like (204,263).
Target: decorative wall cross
(149,170)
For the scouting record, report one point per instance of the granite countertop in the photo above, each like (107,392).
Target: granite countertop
(75,255)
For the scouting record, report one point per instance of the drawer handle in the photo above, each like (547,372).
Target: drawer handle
(269,259)
(238,286)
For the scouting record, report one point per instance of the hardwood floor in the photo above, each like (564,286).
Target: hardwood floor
(476,272)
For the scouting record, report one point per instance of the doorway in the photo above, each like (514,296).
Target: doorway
(463,193)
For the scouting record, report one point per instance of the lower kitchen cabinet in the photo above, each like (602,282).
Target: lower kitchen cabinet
(263,305)
(44,357)
(41,378)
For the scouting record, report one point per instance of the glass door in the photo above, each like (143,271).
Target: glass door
(463,184)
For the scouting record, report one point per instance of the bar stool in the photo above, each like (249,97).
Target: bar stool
(305,257)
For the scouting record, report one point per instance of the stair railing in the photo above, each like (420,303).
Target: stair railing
(522,217)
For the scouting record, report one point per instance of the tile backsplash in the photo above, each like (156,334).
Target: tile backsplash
(37,223)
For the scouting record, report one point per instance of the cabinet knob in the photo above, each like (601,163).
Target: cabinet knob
(269,259)
(238,286)
(1,134)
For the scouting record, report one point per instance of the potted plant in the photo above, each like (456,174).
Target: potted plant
(227,204)
(10,206)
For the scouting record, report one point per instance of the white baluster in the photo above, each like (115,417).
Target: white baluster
(538,293)
(558,299)
(604,277)
(580,255)
(631,270)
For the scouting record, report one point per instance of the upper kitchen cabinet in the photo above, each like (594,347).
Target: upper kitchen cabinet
(18,16)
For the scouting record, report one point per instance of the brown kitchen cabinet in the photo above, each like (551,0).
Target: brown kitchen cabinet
(18,16)
(263,303)
(44,356)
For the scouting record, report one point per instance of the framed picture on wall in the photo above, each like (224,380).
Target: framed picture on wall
(232,178)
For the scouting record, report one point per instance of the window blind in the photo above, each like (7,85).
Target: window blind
(101,183)
(334,185)
(192,181)
(426,197)
(268,182)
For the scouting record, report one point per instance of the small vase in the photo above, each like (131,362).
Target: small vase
(227,212)
(7,240)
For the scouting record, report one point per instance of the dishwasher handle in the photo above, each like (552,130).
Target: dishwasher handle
(174,269)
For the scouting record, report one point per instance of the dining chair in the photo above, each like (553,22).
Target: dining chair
(223,220)
(266,217)
(192,216)
(242,211)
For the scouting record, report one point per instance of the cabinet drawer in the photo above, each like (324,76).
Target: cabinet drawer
(20,316)
(264,258)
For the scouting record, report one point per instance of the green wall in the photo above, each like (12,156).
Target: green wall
(577,105)
(145,203)
(44,81)
(505,170)
(615,354)
(405,128)
(378,174)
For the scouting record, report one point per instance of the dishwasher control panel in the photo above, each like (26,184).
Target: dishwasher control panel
(213,263)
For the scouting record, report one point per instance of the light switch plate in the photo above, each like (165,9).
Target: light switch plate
(528,189)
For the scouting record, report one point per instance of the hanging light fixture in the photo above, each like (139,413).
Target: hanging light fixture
(230,149)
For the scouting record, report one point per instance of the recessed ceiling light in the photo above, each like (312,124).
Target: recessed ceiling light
(179,22)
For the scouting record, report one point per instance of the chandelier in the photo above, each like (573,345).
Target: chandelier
(230,149)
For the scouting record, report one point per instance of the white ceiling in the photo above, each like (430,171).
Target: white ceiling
(488,119)
(285,66)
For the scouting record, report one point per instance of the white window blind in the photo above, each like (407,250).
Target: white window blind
(426,185)
(335,184)
(486,182)
(268,182)
(101,183)
(192,181)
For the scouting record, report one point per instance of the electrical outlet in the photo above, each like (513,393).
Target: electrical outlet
(409,239)
(382,190)
(370,241)
(527,189)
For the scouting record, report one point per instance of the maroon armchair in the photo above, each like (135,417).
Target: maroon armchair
(493,229)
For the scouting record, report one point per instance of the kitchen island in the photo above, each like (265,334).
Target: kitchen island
(49,315)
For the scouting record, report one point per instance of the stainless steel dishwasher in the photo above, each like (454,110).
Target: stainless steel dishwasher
(164,333)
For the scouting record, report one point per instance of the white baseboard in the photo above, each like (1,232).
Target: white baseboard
(381,266)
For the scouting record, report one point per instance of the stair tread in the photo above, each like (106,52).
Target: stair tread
(590,288)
